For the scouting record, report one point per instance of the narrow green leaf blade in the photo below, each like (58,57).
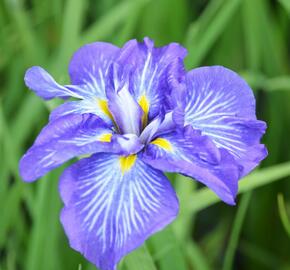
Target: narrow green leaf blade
(139,259)
(205,197)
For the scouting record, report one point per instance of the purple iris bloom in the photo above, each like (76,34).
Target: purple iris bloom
(138,113)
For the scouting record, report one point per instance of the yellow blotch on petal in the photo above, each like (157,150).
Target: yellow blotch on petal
(144,104)
(163,143)
(105,137)
(126,163)
(103,104)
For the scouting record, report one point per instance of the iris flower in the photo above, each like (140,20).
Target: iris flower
(136,113)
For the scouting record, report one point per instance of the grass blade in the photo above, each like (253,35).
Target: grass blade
(206,40)
(196,257)
(72,23)
(205,197)
(167,250)
(283,213)
(235,234)
(105,26)
(140,259)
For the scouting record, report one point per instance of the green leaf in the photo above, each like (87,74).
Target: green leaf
(184,187)
(283,213)
(205,197)
(197,259)
(208,36)
(265,257)
(22,24)
(167,250)
(195,29)
(286,5)
(236,231)
(72,22)
(26,118)
(260,81)
(106,25)
(139,259)
(252,30)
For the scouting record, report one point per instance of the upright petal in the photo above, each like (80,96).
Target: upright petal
(190,153)
(175,100)
(161,124)
(222,106)
(63,139)
(149,77)
(112,205)
(126,111)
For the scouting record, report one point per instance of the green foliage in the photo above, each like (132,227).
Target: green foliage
(251,37)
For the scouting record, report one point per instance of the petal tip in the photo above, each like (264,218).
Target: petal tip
(30,75)
(231,201)
(42,83)
(26,171)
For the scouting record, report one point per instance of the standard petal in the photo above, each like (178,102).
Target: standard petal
(222,106)
(112,205)
(126,111)
(63,139)
(149,77)
(175,101)
(190,153)
(161,124)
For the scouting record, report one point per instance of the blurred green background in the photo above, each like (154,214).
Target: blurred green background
(251,37)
